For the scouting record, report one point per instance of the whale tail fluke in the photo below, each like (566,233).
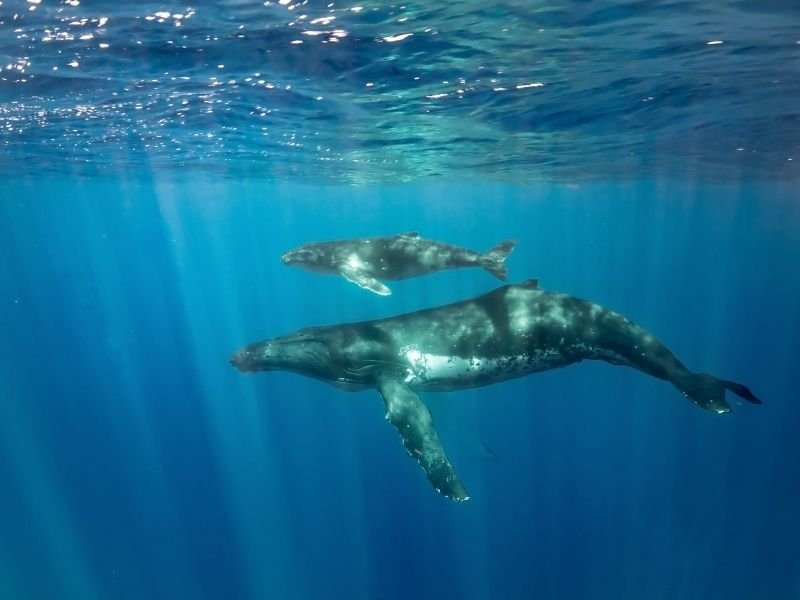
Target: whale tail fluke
(709,392)
(741,390)
(494,260)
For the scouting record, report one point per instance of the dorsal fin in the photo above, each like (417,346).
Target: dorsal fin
(531,283)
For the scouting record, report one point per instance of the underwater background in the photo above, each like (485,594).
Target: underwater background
(644,155)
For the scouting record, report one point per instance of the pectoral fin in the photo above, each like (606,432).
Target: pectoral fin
(364,280)
(413,421)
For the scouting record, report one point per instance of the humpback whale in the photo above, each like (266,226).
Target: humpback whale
(365,261)
(512,331)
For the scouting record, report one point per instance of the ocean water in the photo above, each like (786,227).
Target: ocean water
(158,159)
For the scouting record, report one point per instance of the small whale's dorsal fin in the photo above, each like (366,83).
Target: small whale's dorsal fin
(532,284)
(413,421)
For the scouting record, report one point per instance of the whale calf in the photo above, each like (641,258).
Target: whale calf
(512,331)
(366,261)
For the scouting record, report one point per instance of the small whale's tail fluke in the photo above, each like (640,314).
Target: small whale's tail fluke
(709,392)
(494,260)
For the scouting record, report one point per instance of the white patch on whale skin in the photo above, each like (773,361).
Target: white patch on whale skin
(521,318)
(434,370)
(354,261)
(556,313)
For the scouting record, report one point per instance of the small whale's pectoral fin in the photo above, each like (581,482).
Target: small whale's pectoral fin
(364,280)
(413,421)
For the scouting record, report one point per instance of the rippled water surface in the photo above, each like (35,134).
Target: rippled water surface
(385,92)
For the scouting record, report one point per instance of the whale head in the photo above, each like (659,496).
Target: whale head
(310,256)
(302,352)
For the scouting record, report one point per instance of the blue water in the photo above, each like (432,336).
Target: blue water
(156,161)
(137,463)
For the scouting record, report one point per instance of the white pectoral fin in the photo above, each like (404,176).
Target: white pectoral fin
(364,280)
(413,421)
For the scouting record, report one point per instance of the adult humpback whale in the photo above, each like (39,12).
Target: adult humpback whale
(365,261)
(512,331)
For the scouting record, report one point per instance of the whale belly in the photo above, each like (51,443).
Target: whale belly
(437,372)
